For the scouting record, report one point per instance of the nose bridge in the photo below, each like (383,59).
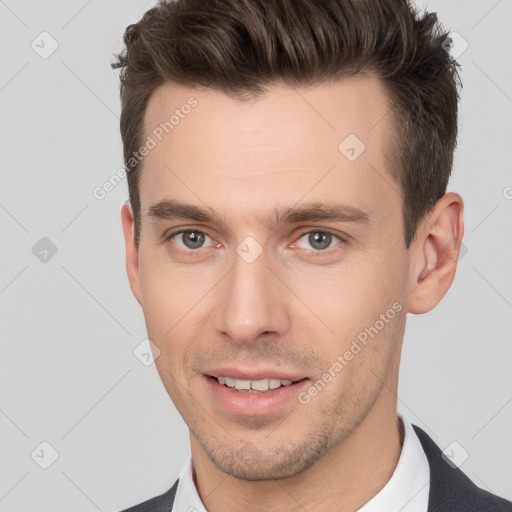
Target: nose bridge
(253,300)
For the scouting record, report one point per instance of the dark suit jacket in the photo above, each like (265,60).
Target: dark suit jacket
(450,489)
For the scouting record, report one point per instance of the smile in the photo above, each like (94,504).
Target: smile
(253,386)
(254,397)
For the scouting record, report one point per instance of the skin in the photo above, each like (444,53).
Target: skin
(288,309)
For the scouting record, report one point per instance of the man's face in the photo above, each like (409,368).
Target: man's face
(240,296)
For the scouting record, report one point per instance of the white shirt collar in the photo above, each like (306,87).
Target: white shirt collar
(406,491)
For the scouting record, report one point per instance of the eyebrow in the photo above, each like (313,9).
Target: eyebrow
(171,209)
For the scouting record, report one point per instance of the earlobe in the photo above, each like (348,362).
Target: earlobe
(436,254)
(132,253)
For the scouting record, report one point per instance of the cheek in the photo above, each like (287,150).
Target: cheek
(349,297)
(168,291)
(165,306)
(175,310)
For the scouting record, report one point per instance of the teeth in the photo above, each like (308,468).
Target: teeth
(253,386)
(242,384)
(228,381)
(274,383)
(259,385)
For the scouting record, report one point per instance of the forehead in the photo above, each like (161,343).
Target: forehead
(327,142)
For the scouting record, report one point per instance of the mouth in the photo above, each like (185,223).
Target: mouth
(254,386)
(254,397)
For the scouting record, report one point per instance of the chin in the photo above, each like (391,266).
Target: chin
(251,463)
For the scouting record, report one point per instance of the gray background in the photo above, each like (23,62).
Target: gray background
(69,324)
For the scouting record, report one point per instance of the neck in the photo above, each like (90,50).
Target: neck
(345,479)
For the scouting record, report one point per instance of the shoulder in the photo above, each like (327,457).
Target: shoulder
(451,489)
(162,503)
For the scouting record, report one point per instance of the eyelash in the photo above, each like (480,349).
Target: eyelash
(314,253)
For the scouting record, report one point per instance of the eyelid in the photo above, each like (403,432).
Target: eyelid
(172,234)
(317,252)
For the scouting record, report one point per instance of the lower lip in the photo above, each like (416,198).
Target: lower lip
(254,404)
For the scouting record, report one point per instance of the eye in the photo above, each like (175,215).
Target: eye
(188,240)
(319,240)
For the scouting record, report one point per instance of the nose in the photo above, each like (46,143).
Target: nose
(253,300)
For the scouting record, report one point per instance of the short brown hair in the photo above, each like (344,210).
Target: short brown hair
(239,47)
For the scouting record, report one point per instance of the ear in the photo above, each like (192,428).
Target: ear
(132,255)
(435,253)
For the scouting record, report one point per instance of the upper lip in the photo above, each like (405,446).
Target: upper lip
(240,374)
